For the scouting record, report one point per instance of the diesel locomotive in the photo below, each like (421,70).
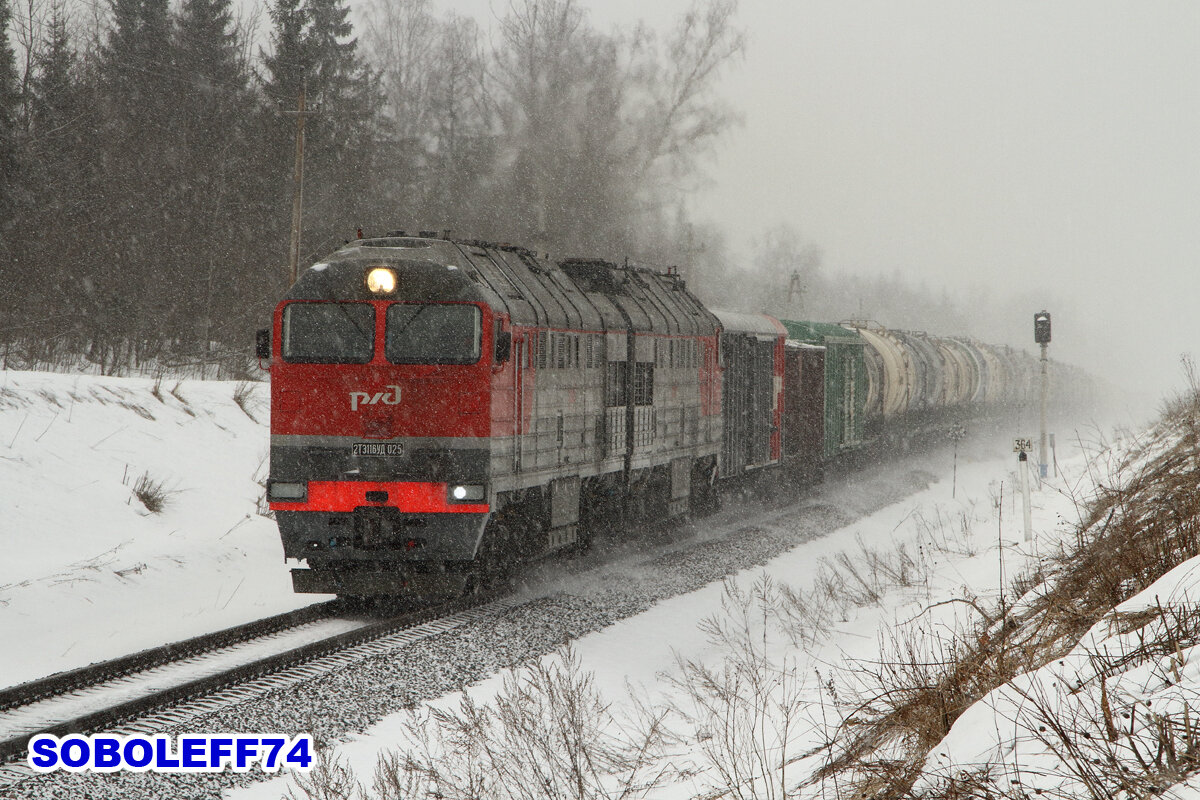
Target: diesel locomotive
(443,410)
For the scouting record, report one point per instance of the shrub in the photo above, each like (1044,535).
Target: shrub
(151,492)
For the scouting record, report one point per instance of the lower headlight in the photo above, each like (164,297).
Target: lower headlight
(465,493)
(287,491)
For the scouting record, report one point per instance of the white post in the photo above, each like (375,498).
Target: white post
(1042,460)
(1023,469)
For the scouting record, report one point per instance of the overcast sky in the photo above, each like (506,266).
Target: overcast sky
(1044,149)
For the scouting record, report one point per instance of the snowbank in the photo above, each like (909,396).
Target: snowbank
(88,572)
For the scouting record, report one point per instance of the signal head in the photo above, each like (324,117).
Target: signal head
(1041,327)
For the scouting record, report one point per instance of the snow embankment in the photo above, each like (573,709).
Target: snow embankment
(745,679)
(1117,713)
(89,572)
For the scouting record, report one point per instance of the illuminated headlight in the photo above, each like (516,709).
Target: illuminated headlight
(381,280)
(465,493)
(287,491)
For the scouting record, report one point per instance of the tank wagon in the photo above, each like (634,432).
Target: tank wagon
(443,410)
(894,387)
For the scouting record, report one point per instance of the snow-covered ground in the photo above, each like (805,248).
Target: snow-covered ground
(88,572)
(957,548)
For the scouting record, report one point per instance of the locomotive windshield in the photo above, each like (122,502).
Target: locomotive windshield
(432,333)
(328,333)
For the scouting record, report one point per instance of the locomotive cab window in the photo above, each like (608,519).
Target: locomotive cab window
(432,333)
(328,333)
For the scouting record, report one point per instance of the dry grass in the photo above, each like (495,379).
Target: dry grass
(741,718)
(262,506)
(152,493)
(1140,525)
(46,352)
(243,395)
(547,735)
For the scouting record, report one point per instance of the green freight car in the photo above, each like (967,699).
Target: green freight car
(845,381)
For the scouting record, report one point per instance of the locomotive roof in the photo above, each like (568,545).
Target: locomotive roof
(571,294)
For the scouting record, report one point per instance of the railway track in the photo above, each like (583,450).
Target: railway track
(154,689)
(162,689)
(626,579)
(69,680)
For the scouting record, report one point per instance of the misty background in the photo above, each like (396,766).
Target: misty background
(944,166)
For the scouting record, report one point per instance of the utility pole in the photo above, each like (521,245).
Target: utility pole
(1041,336)
(297,185)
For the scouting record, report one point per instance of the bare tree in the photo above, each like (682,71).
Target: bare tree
(602,130)
(540,67)
(437,122)
(400,40)
(461,155)
(684,114)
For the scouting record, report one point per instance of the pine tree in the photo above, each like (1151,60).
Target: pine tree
(13,273)
(207,49)
(140,90)
(60,151)
(55,99)
(213,126)
(286,64)
(137,61)
(8,110)
(313,47)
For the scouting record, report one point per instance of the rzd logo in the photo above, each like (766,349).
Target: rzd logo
(391,398)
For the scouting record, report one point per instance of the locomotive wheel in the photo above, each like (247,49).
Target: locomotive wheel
(705,494)
(499,552)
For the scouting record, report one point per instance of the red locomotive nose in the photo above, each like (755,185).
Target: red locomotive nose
(381,380)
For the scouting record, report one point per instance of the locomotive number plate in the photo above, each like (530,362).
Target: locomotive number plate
(377,449)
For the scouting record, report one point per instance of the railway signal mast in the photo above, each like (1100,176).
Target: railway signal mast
(1041,336)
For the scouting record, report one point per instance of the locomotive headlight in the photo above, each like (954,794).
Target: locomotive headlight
(381,280)
(460,493)
(286,491)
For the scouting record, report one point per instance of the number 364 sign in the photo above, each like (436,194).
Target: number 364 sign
(1022,445)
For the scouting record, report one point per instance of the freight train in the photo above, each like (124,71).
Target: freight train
(445,410)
